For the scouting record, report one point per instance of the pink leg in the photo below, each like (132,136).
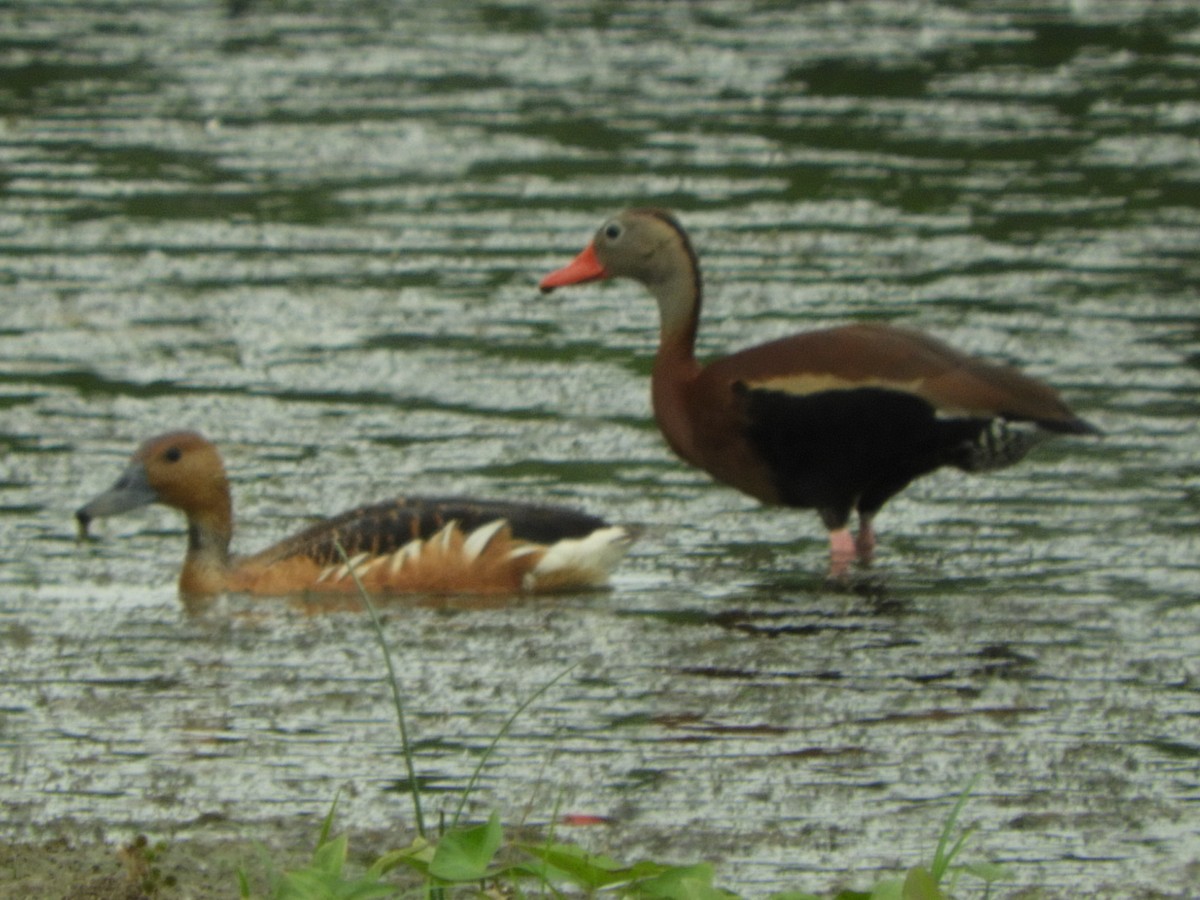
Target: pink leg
(865,542)
(841,552)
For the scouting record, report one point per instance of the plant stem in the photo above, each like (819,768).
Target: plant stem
(500,734)
(398,702)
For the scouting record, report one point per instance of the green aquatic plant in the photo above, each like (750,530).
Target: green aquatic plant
(324,878)
(476,860)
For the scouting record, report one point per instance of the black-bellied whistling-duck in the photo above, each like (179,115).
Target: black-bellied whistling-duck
(837,420)
(405,545)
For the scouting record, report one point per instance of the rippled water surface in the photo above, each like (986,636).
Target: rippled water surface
(314,231)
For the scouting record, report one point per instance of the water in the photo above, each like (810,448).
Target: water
(314,232)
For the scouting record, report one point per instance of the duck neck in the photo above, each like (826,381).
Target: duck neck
(675,365)
(206,566)
(679,293)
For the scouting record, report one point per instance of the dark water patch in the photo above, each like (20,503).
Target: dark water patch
(598,137)
(29,444)
(639,778)
(1057,42)
(235,45)
(90,384)
(10,401)
(554,341)
(513,18)
(14,509)
(31,85)
(455,83)
(861,78)
(554,471)
(940,715)
(1179,750)
(124,162)
(307,206)
(430,784)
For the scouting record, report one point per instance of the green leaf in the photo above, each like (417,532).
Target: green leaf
(588,870)
(798,895)
(366,890)
(417,856)
(314,884)
(681,883)
(888,889)
(327,824)
(464,854)
(920,884)
(944,854)
(989,872)
(330,856)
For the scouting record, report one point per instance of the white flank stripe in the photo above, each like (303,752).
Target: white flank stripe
(411,550)
(370,566)
(343,571)
(479,539)
(446,534)
(524,550)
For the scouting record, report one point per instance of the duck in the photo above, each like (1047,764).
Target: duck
(837,420)
(403,545)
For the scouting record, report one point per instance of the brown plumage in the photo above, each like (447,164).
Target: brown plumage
(838,420)
(405,545)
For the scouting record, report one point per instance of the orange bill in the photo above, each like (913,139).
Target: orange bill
(585,267)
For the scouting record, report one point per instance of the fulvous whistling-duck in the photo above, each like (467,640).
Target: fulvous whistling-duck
(405,545)
(836,420)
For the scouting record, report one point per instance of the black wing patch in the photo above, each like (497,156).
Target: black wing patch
(840,450)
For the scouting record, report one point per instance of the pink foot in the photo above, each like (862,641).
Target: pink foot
(842,552)
(864,544)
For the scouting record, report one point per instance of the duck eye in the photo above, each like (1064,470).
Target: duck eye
(173,454)
(612,231)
